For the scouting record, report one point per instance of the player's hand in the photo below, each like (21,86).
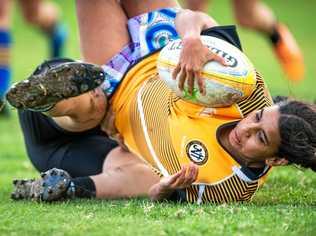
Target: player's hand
(167,185)
(193,57)
(182,179)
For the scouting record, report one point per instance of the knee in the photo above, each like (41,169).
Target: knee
(42,14)
(196,5)
(244,17)
(245,13)
(4,14)
(31,17)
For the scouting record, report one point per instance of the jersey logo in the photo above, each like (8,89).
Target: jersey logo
(197,152)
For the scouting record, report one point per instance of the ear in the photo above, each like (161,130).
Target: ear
(276,161)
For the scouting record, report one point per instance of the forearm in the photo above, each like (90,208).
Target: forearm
(190,24)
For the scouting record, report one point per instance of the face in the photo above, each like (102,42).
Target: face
(256,137)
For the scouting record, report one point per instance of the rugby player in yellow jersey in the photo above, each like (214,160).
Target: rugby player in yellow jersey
(218,155)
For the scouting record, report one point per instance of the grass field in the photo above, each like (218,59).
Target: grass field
(286,205)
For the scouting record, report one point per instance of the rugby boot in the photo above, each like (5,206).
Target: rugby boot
(289,54)
(49,85)
(49,64)
(53,185)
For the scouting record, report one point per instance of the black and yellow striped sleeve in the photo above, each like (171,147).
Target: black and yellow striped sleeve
(232,189)
(259,98)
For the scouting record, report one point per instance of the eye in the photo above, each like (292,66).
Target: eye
(261,137)
(257,116)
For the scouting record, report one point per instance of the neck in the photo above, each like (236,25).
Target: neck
(222,137)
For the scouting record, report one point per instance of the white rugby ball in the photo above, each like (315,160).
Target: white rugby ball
(225,85)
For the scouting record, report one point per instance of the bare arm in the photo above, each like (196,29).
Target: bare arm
(194,55)
(189,24)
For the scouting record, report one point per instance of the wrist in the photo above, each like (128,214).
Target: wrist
(191,38)
(159,191)
(191,42)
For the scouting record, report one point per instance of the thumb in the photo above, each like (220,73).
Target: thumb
(214,57)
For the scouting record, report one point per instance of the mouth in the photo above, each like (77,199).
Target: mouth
(235,137)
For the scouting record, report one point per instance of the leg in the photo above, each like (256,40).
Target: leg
(40,13)
(49,146)
(196,5)
(55,80)
(137,7)
(80,113)
(94,29)
(124,175)
(45,15)
(84,112)
(255,15)
(5,50)
(97,20)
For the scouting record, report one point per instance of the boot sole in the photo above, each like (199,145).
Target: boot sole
(52,186)
(46,89)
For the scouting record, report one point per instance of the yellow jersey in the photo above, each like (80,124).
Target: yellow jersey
(167,132)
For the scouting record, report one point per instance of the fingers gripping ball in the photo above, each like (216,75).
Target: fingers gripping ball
(224,85)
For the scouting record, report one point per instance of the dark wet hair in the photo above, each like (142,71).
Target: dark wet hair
(297,126)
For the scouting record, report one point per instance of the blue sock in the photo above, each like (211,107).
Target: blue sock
(58,39)
(5,72)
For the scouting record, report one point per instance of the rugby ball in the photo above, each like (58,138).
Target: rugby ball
(225,85)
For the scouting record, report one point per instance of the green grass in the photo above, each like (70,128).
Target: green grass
(286,205)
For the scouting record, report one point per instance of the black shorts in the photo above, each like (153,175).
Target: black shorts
(48,146)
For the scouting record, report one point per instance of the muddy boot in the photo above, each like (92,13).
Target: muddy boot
(53,185)
(54,81)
